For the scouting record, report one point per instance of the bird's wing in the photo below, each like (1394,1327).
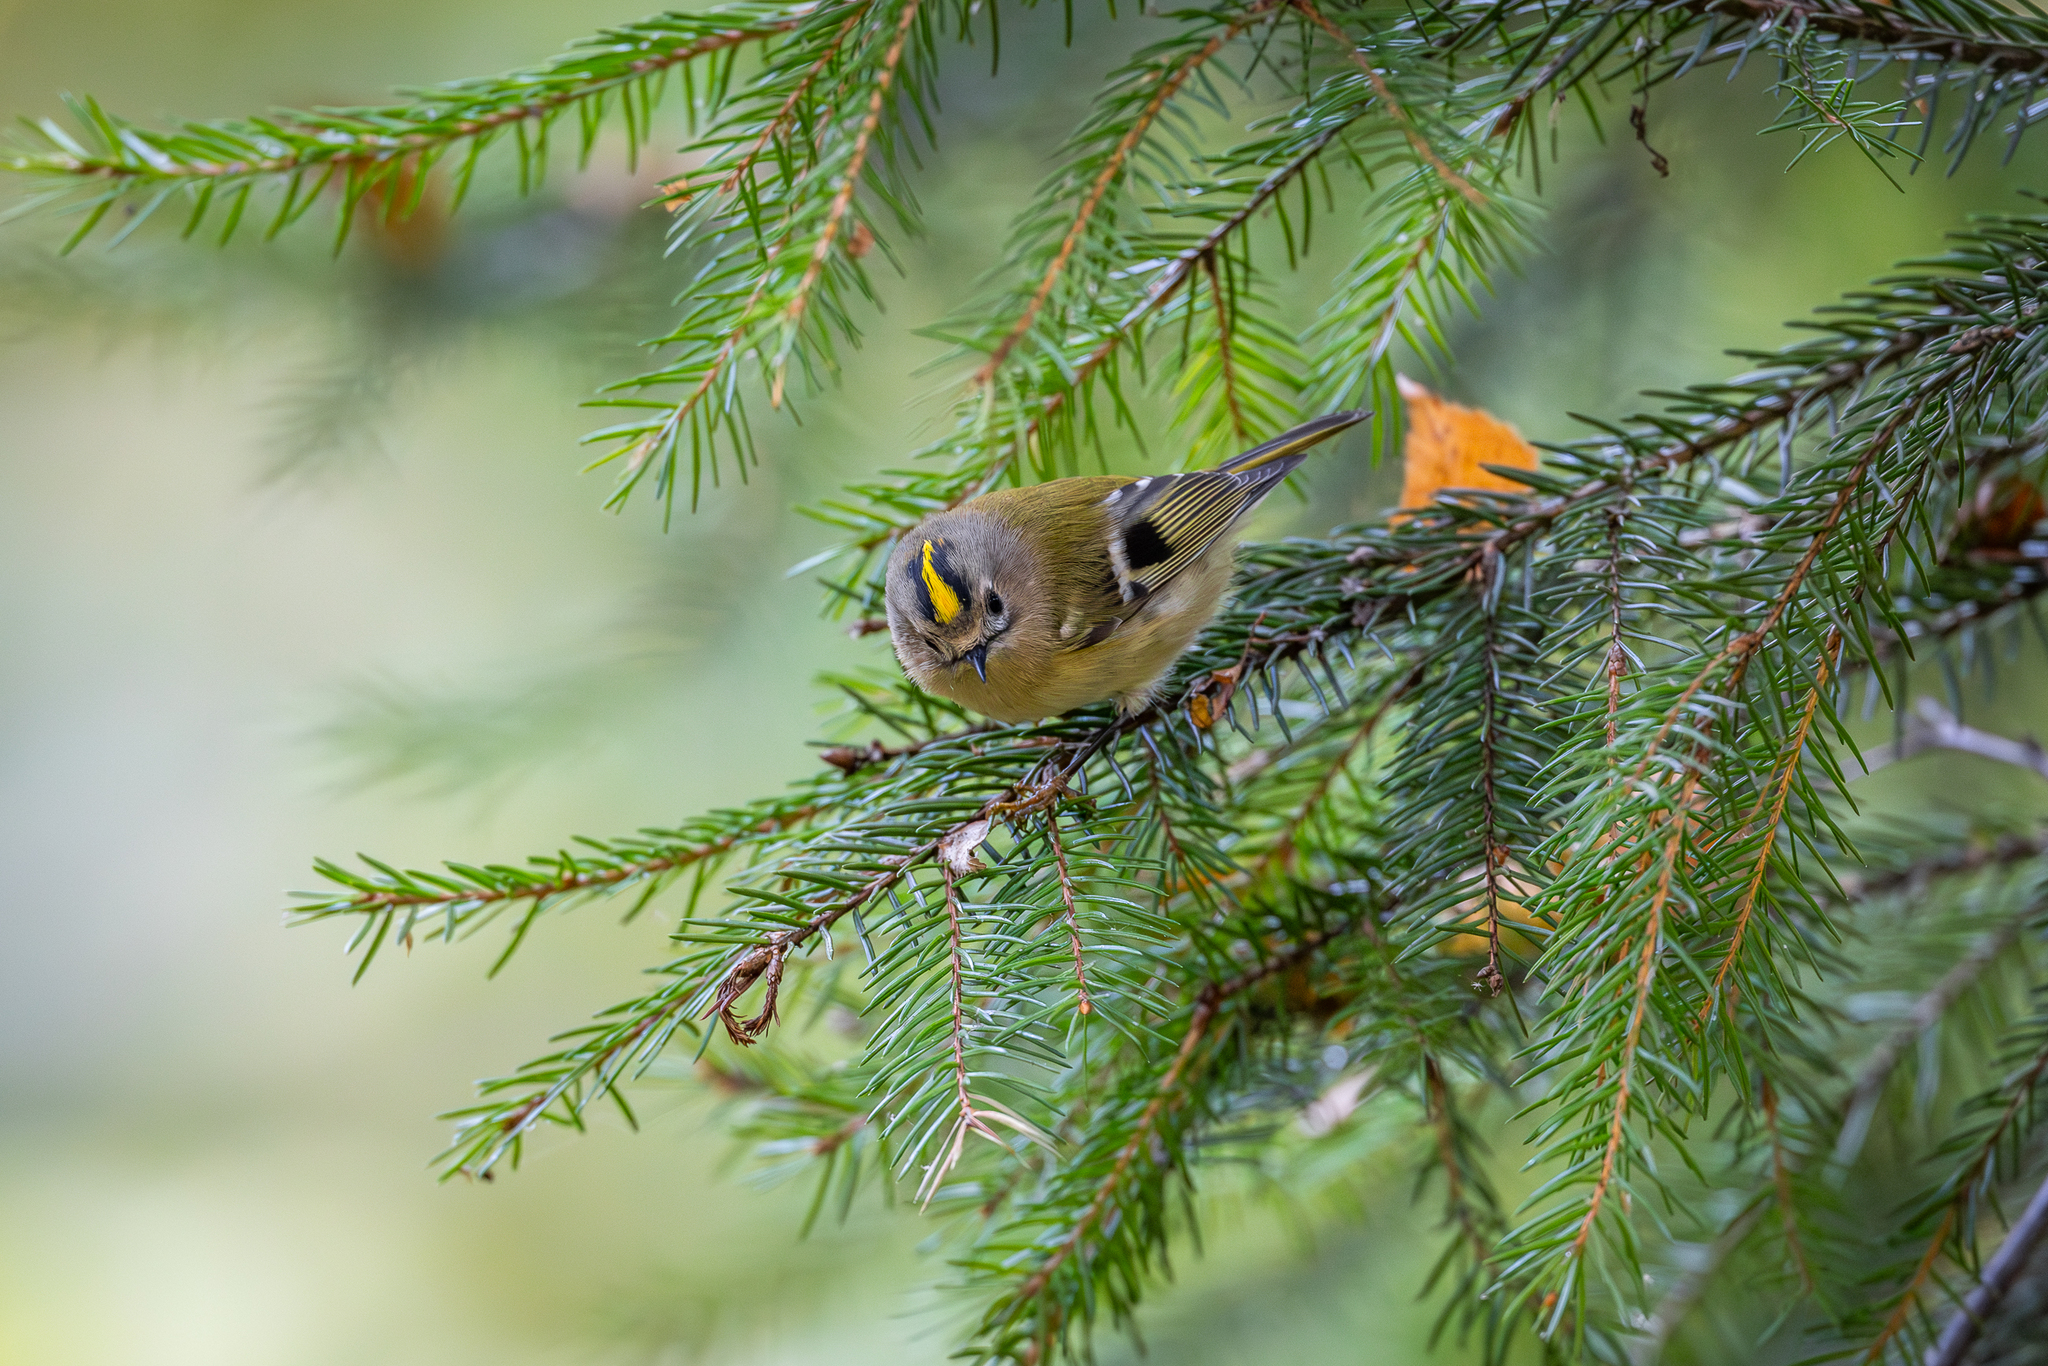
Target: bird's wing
(1161,525)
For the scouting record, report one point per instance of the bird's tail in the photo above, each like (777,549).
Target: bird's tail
(1294,443)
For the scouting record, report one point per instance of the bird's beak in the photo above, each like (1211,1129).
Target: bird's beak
(978,657)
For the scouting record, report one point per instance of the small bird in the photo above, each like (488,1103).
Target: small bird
(1028,602)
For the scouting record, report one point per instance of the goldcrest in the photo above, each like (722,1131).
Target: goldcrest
(1028,602)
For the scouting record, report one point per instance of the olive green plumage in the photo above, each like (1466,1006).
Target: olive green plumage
(1025,603)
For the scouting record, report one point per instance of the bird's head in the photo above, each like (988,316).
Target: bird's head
(956,585)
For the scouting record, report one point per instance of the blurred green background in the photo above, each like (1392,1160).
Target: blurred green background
(298,560)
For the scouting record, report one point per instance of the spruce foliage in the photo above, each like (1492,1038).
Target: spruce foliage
(1518,821)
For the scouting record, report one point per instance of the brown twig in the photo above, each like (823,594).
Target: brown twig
(1082,1004)
(583,882)
(1999,1275)
(1169,84)
(1207,1002)
(360,147)
(1862,1096)
(843,200)
(1391,105)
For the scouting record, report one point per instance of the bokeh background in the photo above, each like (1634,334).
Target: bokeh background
(296,558)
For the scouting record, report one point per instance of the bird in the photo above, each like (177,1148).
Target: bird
(1025,603)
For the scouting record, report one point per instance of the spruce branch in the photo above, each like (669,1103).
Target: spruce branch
(1029,407)
(1023,1314)
(842,199)
(1176,274)
(1776,795)
(2000,1274)
(1082,1005)
(971,1117)
(218,163)
(1165,83)
(778,258)
(2020,43)
(463,897)
(1421,145)
(1618,694)
(1847,1118)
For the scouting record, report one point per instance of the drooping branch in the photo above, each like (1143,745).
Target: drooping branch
(1169,1093)
(1165,285)
(842,200)
(1427,153)
(1113,168)
(1082,1005)
(1865,1090)
(413,890)
(969,1118)
(296,141)
(2001,1273)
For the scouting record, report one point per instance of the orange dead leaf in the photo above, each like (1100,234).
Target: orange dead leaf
(1449,446)
(1472,911)
(2003,514)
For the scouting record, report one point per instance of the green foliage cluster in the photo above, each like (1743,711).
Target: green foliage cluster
(1597,731)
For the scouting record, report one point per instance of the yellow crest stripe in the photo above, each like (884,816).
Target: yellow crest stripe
(945,602)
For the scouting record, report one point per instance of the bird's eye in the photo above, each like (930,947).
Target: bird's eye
(995,605)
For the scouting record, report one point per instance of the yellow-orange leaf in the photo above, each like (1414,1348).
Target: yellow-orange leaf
(1449,445)
(1472,911)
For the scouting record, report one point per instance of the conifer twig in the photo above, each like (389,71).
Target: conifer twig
(1390,104)
(1865,1090)
(1207,1002)
(1082,1004)
(793,313)
(1169,84)
(2000,1275)
(452,113)
(1161,291)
